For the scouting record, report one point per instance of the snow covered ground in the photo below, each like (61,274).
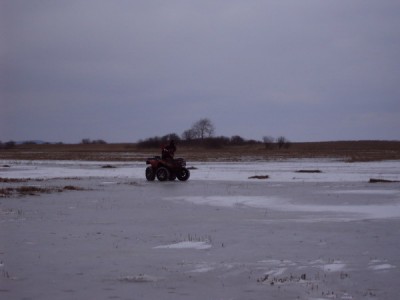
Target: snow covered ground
(220,235)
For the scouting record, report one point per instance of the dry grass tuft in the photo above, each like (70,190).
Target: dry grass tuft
(8,180)
(72,188)
(375,180)
(309,171)
(259,177)
(34,190)
(31,190)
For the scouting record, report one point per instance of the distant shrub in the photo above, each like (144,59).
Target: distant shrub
(99,142)
(252,142)
(157,141)
(282,142)
(9,145)
(237,140)
(216,142)
(30,143)
(268,141)
(150,142)
(94,142)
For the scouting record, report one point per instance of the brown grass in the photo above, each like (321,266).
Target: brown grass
(72,188)
(34,190)
(23,191)
(8,180)
(345,150)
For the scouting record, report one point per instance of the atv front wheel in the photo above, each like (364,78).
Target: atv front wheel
(150,176)
(162,174)
(183,174)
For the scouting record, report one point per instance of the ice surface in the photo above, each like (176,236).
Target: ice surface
(284,171)
(43,169)
(278,171)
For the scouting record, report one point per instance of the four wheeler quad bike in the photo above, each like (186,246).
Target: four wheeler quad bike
(166,169)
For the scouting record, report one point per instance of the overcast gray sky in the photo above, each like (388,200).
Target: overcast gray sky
(309,70)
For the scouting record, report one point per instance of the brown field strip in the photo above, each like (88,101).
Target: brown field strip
(344,150)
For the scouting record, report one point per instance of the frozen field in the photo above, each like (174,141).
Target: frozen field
(220,235)
(279,171)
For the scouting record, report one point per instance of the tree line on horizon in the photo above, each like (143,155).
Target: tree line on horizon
(202,133)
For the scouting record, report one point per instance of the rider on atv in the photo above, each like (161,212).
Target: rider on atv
(168,152)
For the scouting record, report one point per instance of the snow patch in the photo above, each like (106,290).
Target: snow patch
(352,212)
(366,192)
(276,272)
(334,267)
(231,201)
(381,267)
(141,278)
(277,262)
(330,266)
(202,268)
(185,245)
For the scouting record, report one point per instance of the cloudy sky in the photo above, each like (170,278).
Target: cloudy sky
(122,70)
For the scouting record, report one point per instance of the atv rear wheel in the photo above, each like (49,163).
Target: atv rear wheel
(183,174)
(150,176)
(162,174)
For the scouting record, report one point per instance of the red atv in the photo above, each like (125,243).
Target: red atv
(166,169)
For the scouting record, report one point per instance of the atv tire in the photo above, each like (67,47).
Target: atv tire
(162,174)
(183,174)
(150,176)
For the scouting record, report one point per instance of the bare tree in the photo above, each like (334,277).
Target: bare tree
(203,128)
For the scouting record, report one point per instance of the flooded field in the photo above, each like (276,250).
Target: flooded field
(99,230)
